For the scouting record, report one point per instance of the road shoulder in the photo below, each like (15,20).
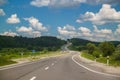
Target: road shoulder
(98,66)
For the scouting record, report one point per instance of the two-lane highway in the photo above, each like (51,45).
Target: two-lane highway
(56,68)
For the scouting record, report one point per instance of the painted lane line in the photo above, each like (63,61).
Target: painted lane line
(46,68)
(33,78)
(52,64)
(92,70)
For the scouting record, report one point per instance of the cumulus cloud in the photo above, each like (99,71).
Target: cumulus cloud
(24,29)
(40,3)
(13,19)
(69,31)
(28,31)
(34,23)
(85,31)
(35,28)
(96,34)
(105,15)
(118,29)
(109,1)
(69,3)
(56,3)
(9,33)
(2,13)
(102,33)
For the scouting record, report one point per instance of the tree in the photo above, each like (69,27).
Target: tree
(116,54)
(107,48)
(91,47)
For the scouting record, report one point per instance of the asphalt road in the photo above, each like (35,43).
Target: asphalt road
(66,67)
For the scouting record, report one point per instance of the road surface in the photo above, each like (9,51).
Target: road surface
(66,67)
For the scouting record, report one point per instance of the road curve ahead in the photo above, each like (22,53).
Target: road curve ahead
(55,68)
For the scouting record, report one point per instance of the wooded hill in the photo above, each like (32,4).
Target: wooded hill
(80,44)
(45,42)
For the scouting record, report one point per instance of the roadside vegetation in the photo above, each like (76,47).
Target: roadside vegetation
(99,51)
(23,47)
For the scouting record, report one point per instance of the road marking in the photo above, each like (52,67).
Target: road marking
(52,64)
(92,70)
(33,78)
(46,68)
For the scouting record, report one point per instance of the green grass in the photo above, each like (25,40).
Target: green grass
(5,61)
(101,59)
(88,56)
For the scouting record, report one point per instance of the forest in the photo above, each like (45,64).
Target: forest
(40,43)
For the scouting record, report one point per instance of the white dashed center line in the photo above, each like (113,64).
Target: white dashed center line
(33,78)
(46,68)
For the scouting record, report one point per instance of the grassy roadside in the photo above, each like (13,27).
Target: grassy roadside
(31,57)
(101,59)
(5,61)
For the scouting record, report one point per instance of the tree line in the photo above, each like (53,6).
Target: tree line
(40,43)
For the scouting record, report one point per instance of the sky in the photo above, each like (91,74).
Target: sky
(95,20)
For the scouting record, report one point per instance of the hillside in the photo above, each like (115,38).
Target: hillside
(80,44)
(39,43)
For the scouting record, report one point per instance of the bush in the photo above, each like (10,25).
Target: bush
(116,54)
(107,48)
(96,54)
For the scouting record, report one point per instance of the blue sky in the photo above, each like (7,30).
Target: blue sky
(97,20)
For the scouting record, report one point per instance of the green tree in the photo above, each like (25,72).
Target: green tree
(107,48)
(97,52)
(91,47)
(116,54)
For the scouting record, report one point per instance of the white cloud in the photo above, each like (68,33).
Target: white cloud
(2,13)
(84,32)
(40,3)
(67,31)
(35,28)
(35,24)
(13,19)
(118,29)
(56,3)
(84,29)
(105,15)
(102,34)
(24,29)
(9,33)
(28,31)
(102,31)
(69,3)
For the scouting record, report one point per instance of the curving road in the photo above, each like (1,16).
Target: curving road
(67,67)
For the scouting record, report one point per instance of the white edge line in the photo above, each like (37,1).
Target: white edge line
(93,70)
(33,78)
(46,68)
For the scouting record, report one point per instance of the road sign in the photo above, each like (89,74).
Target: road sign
(33,51)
